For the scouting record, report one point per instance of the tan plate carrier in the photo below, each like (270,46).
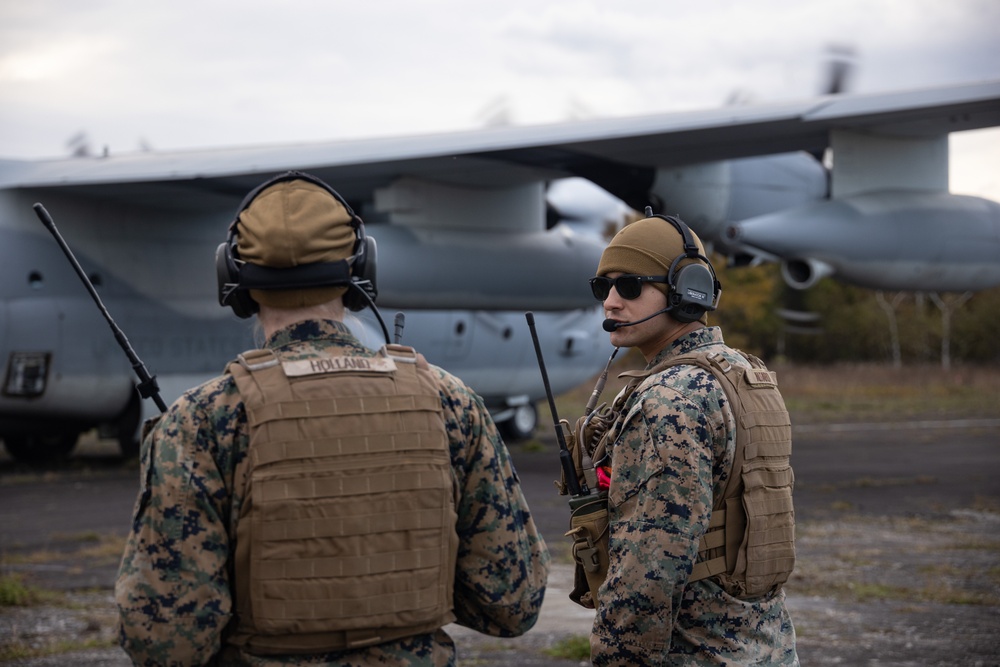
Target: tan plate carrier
(749,546)
(346,536)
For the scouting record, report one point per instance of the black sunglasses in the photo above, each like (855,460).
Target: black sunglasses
(629,285)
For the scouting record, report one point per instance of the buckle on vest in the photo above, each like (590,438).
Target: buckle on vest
(249,360)
(588,559)
(402,353)
(587,556)
(720,362)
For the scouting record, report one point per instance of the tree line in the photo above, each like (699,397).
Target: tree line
(833,322)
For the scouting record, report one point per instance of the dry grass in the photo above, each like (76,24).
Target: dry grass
(847,392)
(916,559)
(858,392)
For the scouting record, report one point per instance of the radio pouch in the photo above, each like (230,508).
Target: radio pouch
(589,530)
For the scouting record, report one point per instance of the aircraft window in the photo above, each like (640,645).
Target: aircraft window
(459,328)
(507,333)
(574,343)
(35,279)
(95,279)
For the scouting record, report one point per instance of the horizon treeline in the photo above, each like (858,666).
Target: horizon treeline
(833,322)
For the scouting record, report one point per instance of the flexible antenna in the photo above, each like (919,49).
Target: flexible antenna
(398,323)
(575,485)
(148,387)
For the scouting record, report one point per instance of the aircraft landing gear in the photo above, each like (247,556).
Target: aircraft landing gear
(39,449)
(521,424)
(127,427)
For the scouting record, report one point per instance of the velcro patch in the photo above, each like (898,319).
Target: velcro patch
(338,364)
(760,377)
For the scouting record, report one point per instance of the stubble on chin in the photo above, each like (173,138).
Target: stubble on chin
(620,338)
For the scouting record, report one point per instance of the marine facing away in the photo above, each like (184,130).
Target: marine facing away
(321,503)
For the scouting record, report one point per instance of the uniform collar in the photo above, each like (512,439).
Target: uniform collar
(689,342)
(311,330)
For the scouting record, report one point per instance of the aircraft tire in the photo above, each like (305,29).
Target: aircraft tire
(521,425)
(128,427)
(41,449)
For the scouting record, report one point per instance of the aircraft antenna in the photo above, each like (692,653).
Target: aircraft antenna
(148,387)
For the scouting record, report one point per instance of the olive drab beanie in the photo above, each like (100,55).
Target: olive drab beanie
(647,247)
(290,224)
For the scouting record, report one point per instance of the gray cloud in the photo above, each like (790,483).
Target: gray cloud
(191,74)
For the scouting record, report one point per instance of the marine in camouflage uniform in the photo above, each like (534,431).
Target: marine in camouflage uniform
(672,452)
(175,588)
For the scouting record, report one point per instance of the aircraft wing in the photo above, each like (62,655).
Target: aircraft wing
(620,154)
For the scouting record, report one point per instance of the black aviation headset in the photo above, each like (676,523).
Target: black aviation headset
(236,277)
(689,287)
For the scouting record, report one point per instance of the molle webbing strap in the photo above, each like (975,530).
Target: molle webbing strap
(712,542)
(347,537)
(341,405)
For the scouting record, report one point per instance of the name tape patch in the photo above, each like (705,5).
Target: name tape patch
(761,377)
(337,365)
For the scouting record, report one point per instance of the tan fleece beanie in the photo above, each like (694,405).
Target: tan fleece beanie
(290,224)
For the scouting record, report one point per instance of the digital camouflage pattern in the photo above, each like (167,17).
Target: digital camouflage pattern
(174,584)
(673,451)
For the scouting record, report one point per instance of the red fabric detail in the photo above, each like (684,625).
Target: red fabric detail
(603,477)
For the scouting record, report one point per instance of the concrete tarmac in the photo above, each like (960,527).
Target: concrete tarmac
(869,499)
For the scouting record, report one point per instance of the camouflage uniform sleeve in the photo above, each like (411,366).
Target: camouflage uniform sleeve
(660,504)
(503,562)
(172,590)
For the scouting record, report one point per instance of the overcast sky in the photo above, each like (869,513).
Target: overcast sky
(183,74)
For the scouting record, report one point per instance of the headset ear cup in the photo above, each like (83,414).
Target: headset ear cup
(228,276)
(364,277)
(694,289)
(222,275)
(692,293)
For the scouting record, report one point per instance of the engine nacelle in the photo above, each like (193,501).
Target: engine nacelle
(711,195)
(890,240)
(804,273)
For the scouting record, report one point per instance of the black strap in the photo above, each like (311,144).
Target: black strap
(319,274)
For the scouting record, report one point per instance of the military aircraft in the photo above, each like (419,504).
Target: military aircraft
(466,241)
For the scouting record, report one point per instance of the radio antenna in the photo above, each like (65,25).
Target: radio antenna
(148,387)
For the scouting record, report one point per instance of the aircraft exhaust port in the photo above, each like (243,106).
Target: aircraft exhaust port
(798,271)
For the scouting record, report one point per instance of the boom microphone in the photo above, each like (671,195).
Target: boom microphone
(611,326)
